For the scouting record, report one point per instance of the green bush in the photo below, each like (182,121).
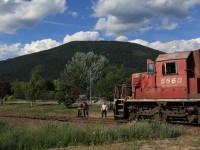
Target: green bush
(9,98)
(62,135)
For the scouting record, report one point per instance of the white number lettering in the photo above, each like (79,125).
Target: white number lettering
(167,80)
(179,80)
(173,80)
(162,81)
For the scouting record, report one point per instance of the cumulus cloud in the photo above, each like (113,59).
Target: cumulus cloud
(172,46)
(117,17)
(9,51)
(16,14)
(121,38)
(83,36)
(18,49)
(37,46)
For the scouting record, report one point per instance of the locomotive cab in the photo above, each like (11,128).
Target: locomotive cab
(169,90)
(172,76)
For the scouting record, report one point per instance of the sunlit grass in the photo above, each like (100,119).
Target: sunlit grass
(37,109)
(64,135)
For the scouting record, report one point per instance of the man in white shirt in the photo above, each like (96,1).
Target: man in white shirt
(104,109)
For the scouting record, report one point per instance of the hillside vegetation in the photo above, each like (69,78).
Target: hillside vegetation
(132,56)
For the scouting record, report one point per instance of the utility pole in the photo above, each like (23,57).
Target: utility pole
(90,88)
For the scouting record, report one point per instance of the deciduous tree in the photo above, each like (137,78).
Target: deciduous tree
(35,85)
(114,76)
(5,89)
(83,70)
(81,73)
(19,89)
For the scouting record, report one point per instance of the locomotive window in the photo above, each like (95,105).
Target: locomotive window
(170,68)
(150,68)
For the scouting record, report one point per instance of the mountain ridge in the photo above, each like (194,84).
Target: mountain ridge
(132,56)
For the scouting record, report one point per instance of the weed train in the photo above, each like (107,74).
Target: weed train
(169,91)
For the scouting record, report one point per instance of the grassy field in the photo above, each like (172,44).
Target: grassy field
(140,135)
(54,135)
(39,109)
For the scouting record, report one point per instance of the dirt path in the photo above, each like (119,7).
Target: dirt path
(18,119)
(188,142)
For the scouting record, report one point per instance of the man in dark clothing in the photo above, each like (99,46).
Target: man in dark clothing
(85,109)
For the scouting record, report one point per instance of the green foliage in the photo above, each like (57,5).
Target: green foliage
(60,96)
(64,93)
(69,100)
(5,89)
(9,97)
(114,76)
(83,69)
(132,56)
(60,91)
(35,85)
(70,95)
(58,85)
(48,85)
(60,135)
(19,89)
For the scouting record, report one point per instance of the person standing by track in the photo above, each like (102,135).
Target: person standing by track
(104,109)
(85,109)
(80,106)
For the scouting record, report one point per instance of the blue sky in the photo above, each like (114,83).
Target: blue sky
(29,26)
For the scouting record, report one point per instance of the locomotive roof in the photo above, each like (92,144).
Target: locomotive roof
(171,56)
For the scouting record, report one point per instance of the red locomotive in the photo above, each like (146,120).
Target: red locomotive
(169,90)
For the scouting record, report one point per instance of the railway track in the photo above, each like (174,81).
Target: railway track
(92,120)
(66,119)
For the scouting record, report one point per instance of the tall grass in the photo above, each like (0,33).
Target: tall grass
(62,135)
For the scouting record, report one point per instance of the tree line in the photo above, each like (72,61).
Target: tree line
(84,73)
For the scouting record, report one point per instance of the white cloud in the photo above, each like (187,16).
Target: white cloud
(14,50)
(83,36)
(16,14)
(9,51)
(113,27)
(17,49)
(172,46)
(37,46)
(167,25)
(121,38)
(117,17)
(73,14)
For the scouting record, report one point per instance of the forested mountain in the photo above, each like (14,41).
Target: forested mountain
(132,56)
